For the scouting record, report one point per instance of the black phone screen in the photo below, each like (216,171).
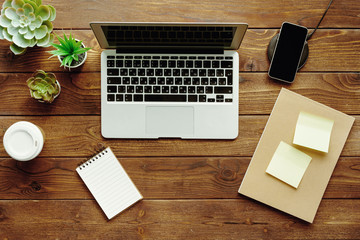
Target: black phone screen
(287,53)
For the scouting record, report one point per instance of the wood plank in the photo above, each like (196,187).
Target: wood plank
(258,14)
(71,136)
(257,95)
(180,219)
(330,51)
(195,178)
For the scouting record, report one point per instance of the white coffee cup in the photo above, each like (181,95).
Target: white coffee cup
(23,141)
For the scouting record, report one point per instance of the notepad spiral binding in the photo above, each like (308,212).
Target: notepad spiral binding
(101,150)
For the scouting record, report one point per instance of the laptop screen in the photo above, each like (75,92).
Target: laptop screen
(169,35)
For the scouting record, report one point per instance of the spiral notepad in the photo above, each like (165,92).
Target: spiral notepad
(109,183)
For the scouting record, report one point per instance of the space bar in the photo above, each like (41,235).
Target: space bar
(165,98)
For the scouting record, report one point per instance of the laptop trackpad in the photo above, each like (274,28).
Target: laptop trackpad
(170,121)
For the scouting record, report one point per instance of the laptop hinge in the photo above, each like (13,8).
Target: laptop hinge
(171,50)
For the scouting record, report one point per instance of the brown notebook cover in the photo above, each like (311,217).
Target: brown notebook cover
(304,201)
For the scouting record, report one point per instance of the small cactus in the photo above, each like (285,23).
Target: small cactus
(43,86)
(26,23)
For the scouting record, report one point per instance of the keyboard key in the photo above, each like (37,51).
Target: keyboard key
(110,63)
(198,64)
(128,98)
(207,64)
(150,72)
(119,63)
(200,89)
(139,89)
(211,99)
(128,63)
(154,63)
(193,72)
(152,81)
(113,72)
(174,89)
(196,81)
(225,90)
(158,72)
(187,81)
(202,72)
(191,89)
(123,72)
(126,80)
(183,89)
(143,80)
(192,98)
(165,89)
(114,80)
(209,90)
(184,72)
(110,57)
(211,72)
(111,89)
(156,89)
(180,63)
(132,72)
(119,97)
(145,63)
(219,72)
(137,63)
(189,64)
(130,89)
(222,81)
(148,89)
(226,64)
(138,97)
(178,81)
(165,98)
(215,64)
(161,81)
(202,98)
(121,89)
(213,81)
(176,72)
(169,81)
(228,100)
(141,72)
(172,63)
(163,64)
(204,81)
(111,97)
(167,72)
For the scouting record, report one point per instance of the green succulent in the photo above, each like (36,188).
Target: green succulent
(26,23)
(69,50)
(43,86)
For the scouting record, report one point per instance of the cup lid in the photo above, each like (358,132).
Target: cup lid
(23,141)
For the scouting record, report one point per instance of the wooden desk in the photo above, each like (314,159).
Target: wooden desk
(189,186)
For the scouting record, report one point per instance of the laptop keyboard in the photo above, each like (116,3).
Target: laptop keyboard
(135,78)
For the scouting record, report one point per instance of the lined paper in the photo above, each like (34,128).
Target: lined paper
(109,183)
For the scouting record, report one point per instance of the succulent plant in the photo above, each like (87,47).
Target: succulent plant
(43,86)
(69,50)
(26,23)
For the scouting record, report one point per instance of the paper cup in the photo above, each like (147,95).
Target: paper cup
(23,141)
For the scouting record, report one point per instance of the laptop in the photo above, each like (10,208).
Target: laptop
(169,80)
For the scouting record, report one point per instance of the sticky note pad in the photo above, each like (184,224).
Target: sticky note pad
(288,164)
(313,132)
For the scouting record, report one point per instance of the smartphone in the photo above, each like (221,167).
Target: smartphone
(287,53)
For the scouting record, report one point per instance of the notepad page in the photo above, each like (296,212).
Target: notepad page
(109,183)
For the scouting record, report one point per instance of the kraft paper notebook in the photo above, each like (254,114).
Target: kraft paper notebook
(109,183)
(300,200)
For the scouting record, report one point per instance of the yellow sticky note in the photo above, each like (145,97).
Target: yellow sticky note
(288,164)
(313,132)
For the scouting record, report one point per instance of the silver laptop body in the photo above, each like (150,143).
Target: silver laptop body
(169,80)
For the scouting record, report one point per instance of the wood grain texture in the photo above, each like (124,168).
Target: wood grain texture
(191,178)
(258,14)
(257,93)
(175,219)
(78,136)
(330,51)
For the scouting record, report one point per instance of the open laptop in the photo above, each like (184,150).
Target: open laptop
(169,80)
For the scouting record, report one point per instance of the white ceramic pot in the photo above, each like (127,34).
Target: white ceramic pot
(23,141)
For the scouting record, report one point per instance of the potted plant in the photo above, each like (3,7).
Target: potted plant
(43,86)
(26,23)
(71,52)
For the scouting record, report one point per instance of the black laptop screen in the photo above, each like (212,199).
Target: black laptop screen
(169,36)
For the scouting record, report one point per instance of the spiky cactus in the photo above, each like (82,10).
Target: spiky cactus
(26,23)
(43,86)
